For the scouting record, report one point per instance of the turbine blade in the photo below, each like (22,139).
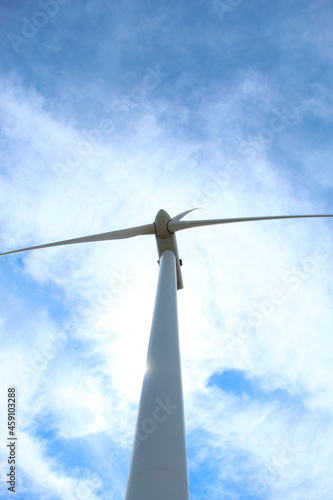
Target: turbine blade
(180,216)
(112,235)
(175,225)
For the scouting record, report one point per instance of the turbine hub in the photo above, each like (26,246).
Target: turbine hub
(161,223)
(166,240)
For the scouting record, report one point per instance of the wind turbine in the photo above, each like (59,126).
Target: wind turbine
(158,469)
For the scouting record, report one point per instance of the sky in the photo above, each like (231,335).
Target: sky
(109,112)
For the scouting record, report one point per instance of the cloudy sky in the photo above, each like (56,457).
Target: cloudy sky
(109,112)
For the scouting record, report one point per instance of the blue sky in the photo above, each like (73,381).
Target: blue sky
(109,112)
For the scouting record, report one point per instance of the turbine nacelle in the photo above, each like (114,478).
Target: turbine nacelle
(166,240)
